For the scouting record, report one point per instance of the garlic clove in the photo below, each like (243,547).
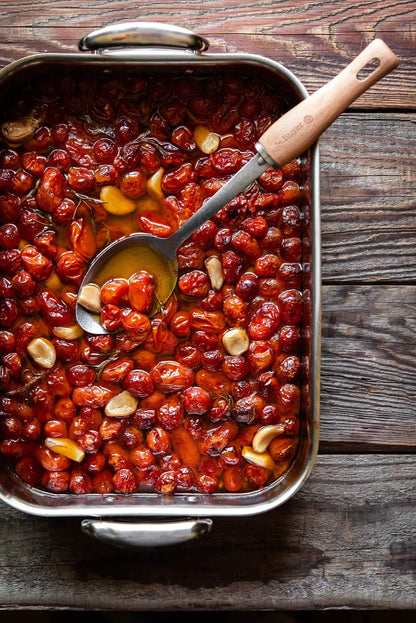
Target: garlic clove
(122,405)
(264,436)
(90,298)
(215,273)
(42,352)
(19,132)
(235,341)
(115,202)
(65,447)
(262,459)
(73,332)
(154,185)
(207,141)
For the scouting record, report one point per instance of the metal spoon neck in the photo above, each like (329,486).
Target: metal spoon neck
(183,233)
(235,185)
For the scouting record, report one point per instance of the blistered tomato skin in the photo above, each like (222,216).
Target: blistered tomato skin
(51,189)
(264,322)
(196,400)
(171,376)
(194,283)
(247,287)
(141,291)
(135,325)
(117,370)
(91,395)
(111,317)
(115,292)
(192,381)
(139,383)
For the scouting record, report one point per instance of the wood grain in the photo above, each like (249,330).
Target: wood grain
(368,397)
(345,540)
(368,197)
(214,15)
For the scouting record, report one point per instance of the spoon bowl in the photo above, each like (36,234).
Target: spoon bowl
(122,259)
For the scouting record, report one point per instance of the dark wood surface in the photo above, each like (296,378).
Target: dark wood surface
(348,538)
(345,541)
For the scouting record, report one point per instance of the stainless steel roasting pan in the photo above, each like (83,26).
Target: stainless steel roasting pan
(154,519)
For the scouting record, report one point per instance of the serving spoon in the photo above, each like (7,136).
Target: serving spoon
(285,140)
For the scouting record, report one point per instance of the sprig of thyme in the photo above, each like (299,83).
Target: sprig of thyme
(99,367)
(83,197)
(24,391)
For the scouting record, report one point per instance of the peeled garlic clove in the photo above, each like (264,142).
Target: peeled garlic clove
(154,185)
(214,269)
(66,447)
(19,132)
(207,141)
(42,352)
(90,298)
(264,436)
(115,202)
(122,405)
(262,459)
(235,341)
(72,332)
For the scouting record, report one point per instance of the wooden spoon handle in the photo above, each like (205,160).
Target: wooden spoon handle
(301,126)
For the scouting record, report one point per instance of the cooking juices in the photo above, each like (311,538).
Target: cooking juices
(204,395)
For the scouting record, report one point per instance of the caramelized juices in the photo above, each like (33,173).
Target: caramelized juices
(202,395)
(129,261)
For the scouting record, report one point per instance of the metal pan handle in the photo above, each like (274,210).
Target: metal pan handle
(128,535)
(148,34)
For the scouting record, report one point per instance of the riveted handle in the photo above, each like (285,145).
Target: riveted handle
(143,34)
(299,128)
(147,534)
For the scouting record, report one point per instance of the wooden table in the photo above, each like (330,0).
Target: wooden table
(348,539)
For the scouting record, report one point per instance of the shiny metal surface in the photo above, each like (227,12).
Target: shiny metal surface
(167,247)
(156,534)
(31,500)
(143,34)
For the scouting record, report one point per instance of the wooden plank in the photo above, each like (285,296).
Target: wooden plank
(346,540)
(368,398)
(214,15)
(368,190)
(369,159)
